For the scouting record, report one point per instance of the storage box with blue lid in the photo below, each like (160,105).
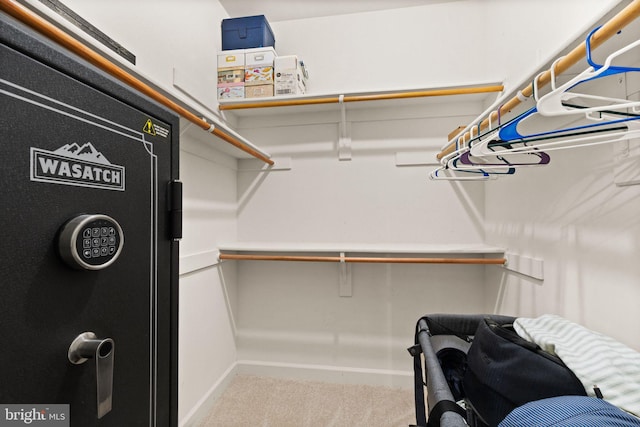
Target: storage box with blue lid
(246,33)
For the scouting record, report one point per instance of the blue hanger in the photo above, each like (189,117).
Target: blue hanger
(610,69)
(549,143)
(509,132)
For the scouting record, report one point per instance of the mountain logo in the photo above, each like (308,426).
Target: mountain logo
(76,165)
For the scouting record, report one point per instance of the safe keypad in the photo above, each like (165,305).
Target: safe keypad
(98,242)
(90,241)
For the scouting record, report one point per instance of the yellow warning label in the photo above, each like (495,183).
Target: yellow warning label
(149,128)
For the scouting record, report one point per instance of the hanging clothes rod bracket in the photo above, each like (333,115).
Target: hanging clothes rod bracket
(346,288)
(344,133)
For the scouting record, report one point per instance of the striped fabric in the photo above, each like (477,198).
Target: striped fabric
(569,411)
(594,358)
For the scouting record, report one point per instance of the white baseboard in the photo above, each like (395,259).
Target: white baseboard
(205,404)
(327,373)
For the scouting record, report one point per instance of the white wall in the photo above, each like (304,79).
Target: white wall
(586,230)
(393,49)
(524,35)
(207,350)
(164,35)
(448,43)
(366,200)
(291,314)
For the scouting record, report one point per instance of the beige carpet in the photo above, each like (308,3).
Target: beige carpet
(252,401)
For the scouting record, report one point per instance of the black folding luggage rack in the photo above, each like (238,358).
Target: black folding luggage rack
(435,333)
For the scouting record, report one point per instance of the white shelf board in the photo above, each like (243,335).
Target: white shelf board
(399,248)
(357,105)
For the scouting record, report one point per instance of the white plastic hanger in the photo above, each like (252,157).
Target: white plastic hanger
(629,130)
(552,104)
(451,162)
(445,173)
(611,128)
(464,160)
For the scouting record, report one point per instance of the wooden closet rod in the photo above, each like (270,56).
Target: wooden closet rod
(608,30)
(49,30)
(357,98)
(247,257)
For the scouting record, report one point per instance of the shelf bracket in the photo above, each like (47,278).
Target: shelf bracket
(532,267)
(346,289)
(344,133)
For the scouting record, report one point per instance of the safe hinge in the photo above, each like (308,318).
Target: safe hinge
(175,209)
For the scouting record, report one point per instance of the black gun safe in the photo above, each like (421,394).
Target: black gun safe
(90,211)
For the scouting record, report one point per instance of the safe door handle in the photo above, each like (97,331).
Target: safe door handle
(88,346)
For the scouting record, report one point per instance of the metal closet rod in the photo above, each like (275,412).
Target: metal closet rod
(379,260)
(49,30)
(356,98)
(608,30)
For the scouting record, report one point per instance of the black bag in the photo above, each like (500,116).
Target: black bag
(505,371)
(453,363)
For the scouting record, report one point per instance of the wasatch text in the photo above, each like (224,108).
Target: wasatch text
(76,165)
(78,170)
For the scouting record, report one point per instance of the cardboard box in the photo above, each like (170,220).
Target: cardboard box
(289,88)
(290,76)
(287,62)
(258,91)
(246,32)
(231,91)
